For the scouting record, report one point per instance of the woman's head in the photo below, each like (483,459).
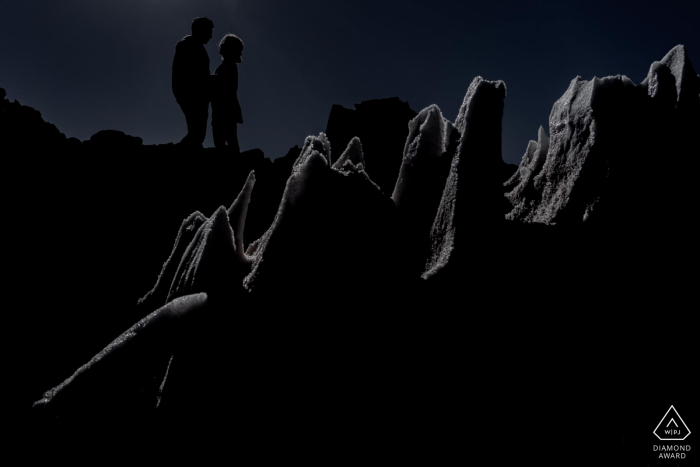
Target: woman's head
(231,46)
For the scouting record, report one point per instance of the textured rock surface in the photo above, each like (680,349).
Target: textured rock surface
(575,157)
(238,212)
(687,84)
(421,181)
(313,145)
(424,146)
(320,230)
(307,181)
(159,294)
(124,379)
(210,262)
(336,329)
(471,202)
(608,138)
(352,155)
(531,164)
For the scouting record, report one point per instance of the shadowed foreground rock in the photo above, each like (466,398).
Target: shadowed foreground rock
(320,311)
(125,377)
(420,184)
(470,208)
(381,125)
(320,236)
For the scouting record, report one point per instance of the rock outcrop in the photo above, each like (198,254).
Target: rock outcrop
(471,202)
(352,156)
(608,138)
(420,184)
(22,128)
(382,126)
(124,379)
(159,294)
(675,68)
(112,139)
(317,302)
(320,230)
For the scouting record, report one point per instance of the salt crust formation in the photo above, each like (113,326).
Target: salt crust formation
(605,136)
(339,246)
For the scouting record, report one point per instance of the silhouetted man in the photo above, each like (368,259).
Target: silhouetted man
(191,80)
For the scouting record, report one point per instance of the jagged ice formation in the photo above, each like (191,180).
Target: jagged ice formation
(349,294)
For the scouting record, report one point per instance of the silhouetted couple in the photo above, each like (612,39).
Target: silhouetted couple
(194,87)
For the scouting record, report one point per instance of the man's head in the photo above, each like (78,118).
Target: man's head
(202,29)
(231,47)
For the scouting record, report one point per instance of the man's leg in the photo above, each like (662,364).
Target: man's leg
(185,110)
(196,115)
(201,115)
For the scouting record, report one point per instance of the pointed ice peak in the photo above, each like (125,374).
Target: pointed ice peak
(307,182)
(193,221)
(676,63)
(348,167)
(189,228)
(219,216)
(433,119)
(424,146)
(212,247)
(302,179)
(352,155)
(216,233)
(582,96)
(484,98)
(315,164)
(542,140)
(426,129)
(314,144)
(523,169)
(530,165)
(661,84)
(238,211)
(473,192)
(315,161)
(476,85)
(195,215)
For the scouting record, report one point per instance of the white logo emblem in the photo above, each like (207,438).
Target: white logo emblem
(671,427)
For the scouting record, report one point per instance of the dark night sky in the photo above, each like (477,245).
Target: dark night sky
(89,65)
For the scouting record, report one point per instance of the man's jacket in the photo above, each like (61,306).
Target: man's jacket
(191,71)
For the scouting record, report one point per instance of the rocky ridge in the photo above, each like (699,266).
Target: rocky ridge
(340,277)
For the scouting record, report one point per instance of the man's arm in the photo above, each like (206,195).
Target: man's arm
(184,81)
(178,70)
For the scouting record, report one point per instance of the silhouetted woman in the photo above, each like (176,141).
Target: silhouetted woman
(225,108)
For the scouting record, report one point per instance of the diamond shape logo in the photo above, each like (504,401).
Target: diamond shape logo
(671,427)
